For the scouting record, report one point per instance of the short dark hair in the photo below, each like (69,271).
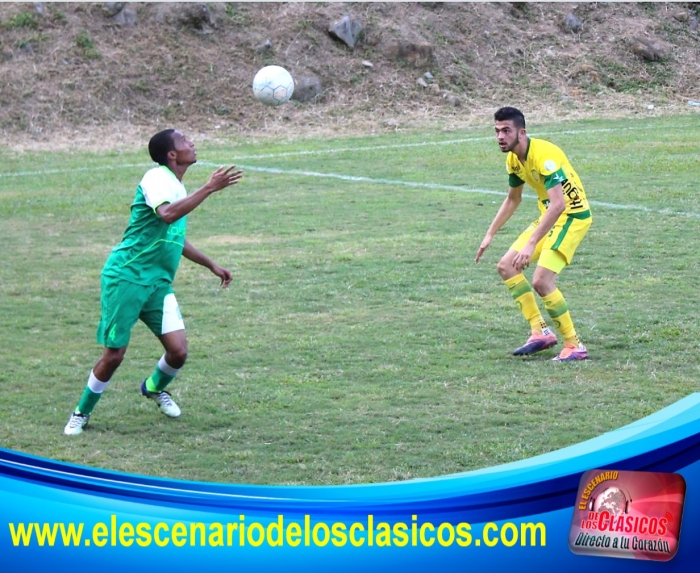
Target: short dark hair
(159,146)
(511,114)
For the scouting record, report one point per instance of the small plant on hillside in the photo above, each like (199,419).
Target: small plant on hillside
(87,46)
(22,20)
(648,7)
(237,17)
(626,79)
(31,42)
(59,18)
(304,24)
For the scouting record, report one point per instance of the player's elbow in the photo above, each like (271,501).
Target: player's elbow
(512,203)
(169,219)
(557,206)
(515,195)
(167,215)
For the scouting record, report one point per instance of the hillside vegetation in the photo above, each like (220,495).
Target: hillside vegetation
(77,71)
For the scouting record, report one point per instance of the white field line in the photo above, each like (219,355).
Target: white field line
(359,179)
(395,182)
(330,151)
(440,187)
(74,169)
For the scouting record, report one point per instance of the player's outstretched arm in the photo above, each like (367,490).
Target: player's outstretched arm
(508,207)
(197,256)
(220,179)
(484,245)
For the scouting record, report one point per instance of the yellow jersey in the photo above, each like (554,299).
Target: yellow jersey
(545,167)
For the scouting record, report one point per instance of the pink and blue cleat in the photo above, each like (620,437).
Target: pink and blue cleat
(571,352)
(535,343)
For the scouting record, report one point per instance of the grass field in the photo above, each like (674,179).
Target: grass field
(358,342)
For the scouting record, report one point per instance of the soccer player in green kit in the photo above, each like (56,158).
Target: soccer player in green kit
(137,278)
(552,239)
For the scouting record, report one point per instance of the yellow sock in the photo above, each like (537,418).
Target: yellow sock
(556,307)
(524,298)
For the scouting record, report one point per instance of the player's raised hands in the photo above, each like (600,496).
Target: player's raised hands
(224,177)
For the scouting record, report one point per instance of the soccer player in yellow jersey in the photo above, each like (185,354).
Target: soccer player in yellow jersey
(552,239)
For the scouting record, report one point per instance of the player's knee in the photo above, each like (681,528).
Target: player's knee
(504,267)
(177,356)
(113,358)
(542,285)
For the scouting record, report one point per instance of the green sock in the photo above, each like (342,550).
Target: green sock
(524,298)
(91,395)
(556,306)
(161,377)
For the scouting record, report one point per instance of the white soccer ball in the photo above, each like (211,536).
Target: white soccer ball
(273,85)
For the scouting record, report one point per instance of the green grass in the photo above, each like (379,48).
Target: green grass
(22,20)
(86,46)
(358,342)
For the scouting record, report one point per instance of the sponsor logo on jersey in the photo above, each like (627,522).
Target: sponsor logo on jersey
(571,192)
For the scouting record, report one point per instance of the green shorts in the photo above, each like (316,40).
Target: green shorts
(556,249)
(124,303)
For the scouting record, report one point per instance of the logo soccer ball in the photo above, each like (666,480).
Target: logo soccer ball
(273,85)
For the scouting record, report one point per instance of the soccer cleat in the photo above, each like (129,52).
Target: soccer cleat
(164,400)
(76,423)
(535,343)
(571,352)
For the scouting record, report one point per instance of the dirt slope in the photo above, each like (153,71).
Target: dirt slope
(70,72)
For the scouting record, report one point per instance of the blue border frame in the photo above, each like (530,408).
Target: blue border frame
(537,490)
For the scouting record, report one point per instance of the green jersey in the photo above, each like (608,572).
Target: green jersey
(151,249)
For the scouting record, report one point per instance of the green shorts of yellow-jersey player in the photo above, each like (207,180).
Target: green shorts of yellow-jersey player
(124,303)
(557,248)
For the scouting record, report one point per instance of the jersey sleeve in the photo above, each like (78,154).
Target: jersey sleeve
(157,188)
(552,171)
(513,179)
